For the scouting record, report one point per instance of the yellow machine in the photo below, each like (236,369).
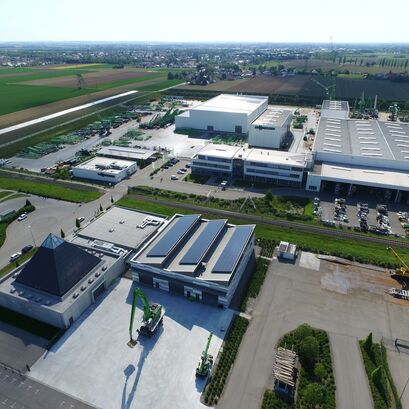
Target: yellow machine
(401,274)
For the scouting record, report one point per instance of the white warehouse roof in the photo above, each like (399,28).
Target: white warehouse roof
(273,117)
(108,165)
(244,104)
(126,152)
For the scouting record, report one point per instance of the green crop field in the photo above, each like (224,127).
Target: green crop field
(16,93)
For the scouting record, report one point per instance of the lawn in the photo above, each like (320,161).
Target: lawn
(316,386)
(11,266)
(52,189)
(369,253)
(12,196)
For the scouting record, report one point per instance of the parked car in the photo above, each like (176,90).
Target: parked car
(188,165)
(180,172)
(26,249)
(15,256)
(174,177)
(22,217)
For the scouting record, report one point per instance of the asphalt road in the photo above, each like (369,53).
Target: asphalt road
(19,392)
(281,223)
(352,383)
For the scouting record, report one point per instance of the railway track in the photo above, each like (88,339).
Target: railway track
(280,223)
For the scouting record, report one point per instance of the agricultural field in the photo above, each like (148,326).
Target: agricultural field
(38,92)
(348,87)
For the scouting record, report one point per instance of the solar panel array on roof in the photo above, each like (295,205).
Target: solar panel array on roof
(232,252)
(174,234)
(203,242)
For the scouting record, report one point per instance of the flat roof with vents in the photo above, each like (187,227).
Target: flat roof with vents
(273,117)
(335,105)
(356,138)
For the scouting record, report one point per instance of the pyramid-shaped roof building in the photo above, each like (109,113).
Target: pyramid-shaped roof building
(57,266)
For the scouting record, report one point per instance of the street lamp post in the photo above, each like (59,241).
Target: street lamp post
(32,236)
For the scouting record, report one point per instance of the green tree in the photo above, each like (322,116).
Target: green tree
(100,208)
(62,234)
(368,344)
(309,350)
(112,199)
(313,395)
(320,371)
(170,76)
(28,203)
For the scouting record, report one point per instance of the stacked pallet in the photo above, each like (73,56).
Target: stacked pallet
(284,369)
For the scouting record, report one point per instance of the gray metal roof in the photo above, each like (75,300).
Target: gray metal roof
(363,138)
(273,117)
(335,105)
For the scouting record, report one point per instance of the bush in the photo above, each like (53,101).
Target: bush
(313,395)
(309,350)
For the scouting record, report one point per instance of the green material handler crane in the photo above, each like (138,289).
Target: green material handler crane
(206,360)
(152,316)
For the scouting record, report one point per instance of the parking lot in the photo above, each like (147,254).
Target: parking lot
(101,369)
(351,212)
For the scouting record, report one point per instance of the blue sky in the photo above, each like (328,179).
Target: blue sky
(210,20)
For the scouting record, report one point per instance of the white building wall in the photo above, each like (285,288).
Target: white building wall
(100,175)
(333,113)
(220,121)
(313,182)
(266,138)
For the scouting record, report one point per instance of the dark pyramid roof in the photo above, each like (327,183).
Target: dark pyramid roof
(57,266)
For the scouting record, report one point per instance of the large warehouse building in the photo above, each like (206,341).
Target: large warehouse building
(197,258)
(276,167)
(361,153)
(224,113)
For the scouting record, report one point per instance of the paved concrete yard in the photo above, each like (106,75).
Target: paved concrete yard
(93,362)
(292,295)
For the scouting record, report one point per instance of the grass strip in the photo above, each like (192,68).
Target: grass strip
(226,359)
(49,188)
(379,376)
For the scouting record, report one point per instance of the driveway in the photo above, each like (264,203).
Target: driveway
(352,383)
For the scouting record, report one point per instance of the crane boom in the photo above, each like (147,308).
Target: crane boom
(396,255)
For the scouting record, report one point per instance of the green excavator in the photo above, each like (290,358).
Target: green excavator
(206,360)
(152,316)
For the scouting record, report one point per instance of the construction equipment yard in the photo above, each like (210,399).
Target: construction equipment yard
(98,366)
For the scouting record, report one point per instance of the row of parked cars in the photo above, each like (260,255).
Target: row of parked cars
(24,250)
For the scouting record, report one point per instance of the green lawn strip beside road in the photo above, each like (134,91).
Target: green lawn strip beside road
(5,193)
(363,252)
(225,361)
(69,192)
(383,389)
(12,196)
(316,386)
(274,207)
(11,266)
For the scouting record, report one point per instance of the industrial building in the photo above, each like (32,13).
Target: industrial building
(224,113)
(61,280)
(141,156)
(276,167)
(335,109)
(64,278)
(357,154)
(197,258)
(105,170)
(270,129)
